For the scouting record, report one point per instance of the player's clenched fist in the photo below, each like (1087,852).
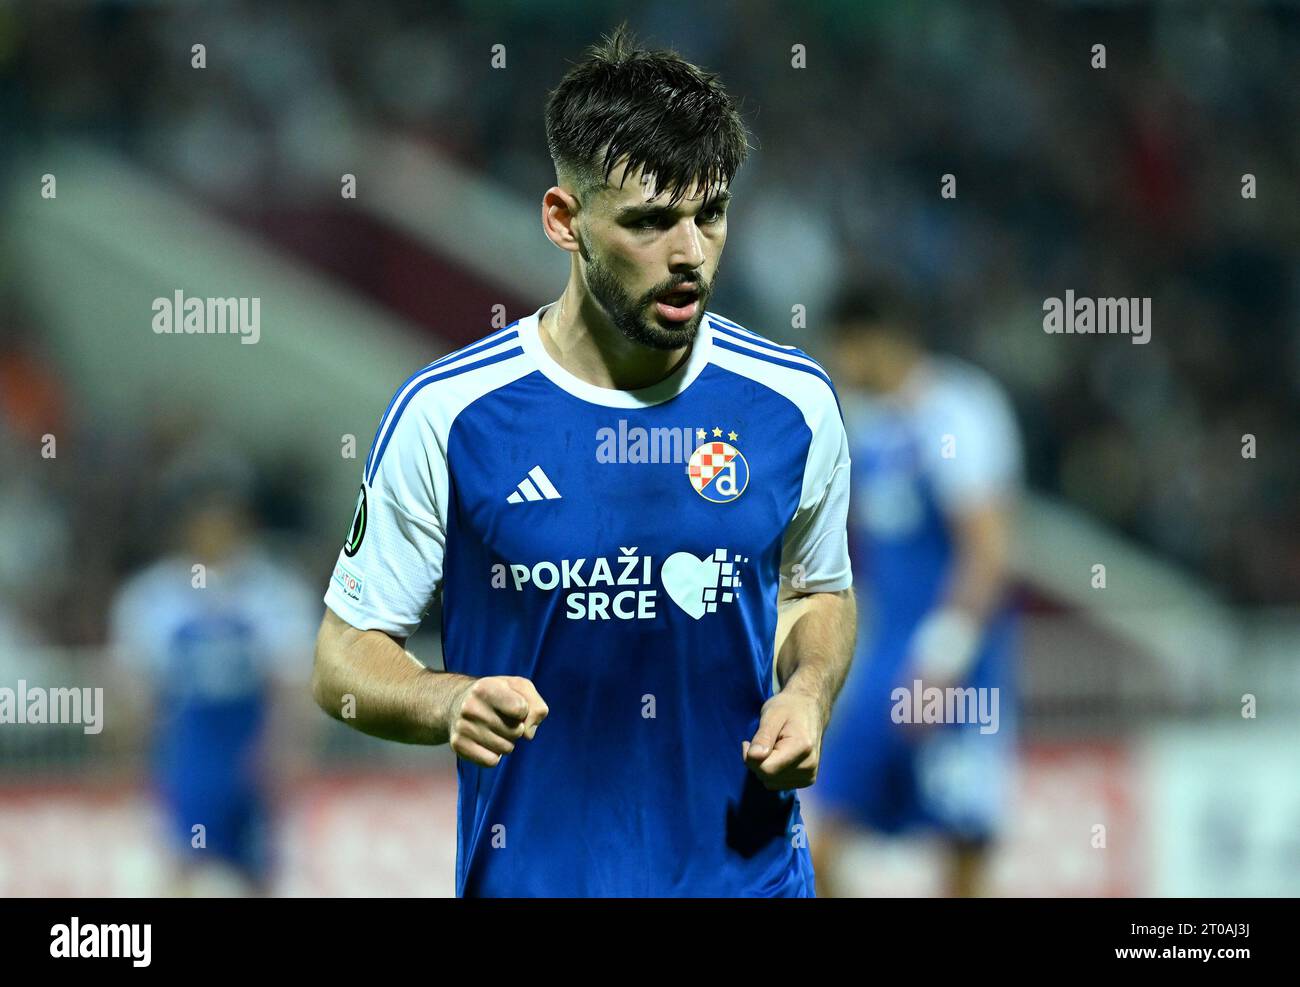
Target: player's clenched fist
(787,746)
(489,714)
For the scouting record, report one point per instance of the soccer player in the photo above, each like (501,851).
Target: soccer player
(219,656)
(936,464)
(608,494)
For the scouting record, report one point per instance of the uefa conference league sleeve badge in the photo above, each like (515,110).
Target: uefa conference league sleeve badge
(358,529)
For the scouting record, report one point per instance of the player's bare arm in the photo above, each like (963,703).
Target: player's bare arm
(945,644)
(815,634)
(983,537)
(369,680)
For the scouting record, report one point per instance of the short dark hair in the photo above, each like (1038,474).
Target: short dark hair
(666,115)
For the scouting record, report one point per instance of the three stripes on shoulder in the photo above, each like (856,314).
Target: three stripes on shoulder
(536,486)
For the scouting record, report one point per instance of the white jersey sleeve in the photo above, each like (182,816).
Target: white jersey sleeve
(815,551)
(134,636)
(971,441)
(391,566)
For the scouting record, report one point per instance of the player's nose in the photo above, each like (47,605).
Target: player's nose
(687,247)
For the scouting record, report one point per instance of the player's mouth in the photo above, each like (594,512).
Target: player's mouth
(679,304)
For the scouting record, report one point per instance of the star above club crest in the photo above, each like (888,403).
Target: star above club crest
(717,432)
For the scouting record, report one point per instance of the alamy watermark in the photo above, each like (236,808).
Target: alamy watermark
(1129,316)
(931,704)
(179,315)
(636,444)
(104,940)
(36,704)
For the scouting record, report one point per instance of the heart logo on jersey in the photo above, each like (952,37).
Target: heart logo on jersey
(686,578)
(698,586)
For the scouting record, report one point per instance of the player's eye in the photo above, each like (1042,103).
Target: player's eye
(659,221)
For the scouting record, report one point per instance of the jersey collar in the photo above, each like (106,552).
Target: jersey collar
(644,397)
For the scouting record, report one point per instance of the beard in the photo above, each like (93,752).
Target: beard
(629,314)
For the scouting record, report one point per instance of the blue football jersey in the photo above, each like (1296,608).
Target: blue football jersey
(623,550)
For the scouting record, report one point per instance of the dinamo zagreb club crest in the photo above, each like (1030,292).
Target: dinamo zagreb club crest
(718,471)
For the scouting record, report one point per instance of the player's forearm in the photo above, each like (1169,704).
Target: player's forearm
(978,584)
(981,567)
(946,643)
(370,682)
(816,650)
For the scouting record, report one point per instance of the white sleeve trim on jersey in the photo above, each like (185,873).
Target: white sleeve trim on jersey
(817,538)
(788,353)
(396,567)
(493,345)
(388,584)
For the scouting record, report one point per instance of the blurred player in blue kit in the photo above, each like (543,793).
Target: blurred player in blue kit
(221,655)
(936,472)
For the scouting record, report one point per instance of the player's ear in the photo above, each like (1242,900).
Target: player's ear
(559,215)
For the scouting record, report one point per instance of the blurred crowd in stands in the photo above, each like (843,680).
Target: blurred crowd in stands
(1122,181)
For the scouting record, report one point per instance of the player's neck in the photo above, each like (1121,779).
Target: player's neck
(581,340)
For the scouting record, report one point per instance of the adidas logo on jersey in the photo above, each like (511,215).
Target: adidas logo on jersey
(535,486)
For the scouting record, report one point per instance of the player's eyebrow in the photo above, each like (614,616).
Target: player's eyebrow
(642,209)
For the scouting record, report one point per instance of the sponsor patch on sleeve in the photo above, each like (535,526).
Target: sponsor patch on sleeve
(349,582)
